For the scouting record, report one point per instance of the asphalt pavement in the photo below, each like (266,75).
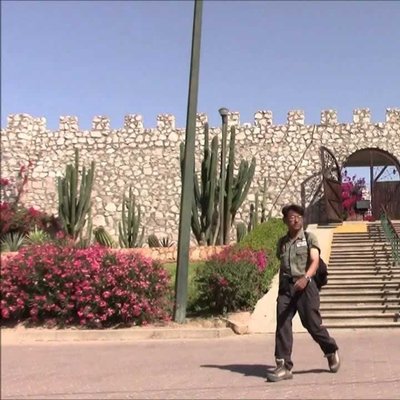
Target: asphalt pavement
(230,367)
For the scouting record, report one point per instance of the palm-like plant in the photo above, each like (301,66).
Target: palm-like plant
(12,241)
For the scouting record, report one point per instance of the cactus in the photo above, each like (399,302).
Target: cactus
(102,237)
(74,205)
(85,241)
(153,241)
(130,223)
(263,210)
(236,187)
(241,231)
(204,204)
(205,226)
(253,219)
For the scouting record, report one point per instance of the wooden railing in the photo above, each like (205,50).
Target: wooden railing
(392,236)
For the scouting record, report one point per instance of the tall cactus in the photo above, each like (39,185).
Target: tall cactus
(241,231)
(85,240)
(236,187)
(254,218)
(263,209)
(205,220)
(130,223)
(204,203)
(74,205)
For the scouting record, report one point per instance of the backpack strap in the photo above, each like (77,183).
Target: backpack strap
(306,235)
(308,253)
(279,246)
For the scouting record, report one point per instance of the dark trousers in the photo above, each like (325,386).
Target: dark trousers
(306,303)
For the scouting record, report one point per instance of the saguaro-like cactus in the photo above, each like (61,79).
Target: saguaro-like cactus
(236,187)
(204,220)
(130,223)
(205,209)
(74,204)
(85,239)
(241,231)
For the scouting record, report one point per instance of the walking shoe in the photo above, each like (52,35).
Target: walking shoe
(280,372)
(333,361)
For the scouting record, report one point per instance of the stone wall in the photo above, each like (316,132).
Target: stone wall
(148,159)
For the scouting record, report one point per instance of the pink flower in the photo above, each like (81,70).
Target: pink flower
(5,313)
(223,281)
(4,182)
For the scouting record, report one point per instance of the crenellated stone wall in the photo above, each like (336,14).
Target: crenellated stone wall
(148,159)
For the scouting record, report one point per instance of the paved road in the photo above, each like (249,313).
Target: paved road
(227,368)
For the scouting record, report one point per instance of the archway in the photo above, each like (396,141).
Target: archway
(381,171)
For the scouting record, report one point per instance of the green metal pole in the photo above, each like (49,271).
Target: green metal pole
(181,282)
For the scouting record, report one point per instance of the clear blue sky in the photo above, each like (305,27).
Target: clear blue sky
(88,58)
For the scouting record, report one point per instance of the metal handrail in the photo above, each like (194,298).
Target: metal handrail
(391,235)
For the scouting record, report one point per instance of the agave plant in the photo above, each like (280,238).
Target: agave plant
(12,241)
(166,242)
(37,236)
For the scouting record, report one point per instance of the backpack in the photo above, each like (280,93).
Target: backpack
(321,276)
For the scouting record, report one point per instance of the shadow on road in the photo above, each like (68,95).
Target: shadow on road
(257,370)
(311,371)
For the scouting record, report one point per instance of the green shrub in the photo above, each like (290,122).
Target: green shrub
(192,294)
(265,237)
(232,280)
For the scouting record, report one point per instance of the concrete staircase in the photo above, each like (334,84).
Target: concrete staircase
(364,286)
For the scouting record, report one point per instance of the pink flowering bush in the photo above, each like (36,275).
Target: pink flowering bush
(24,220)
(14,216)
(352,191)
(232,280)
(92,287)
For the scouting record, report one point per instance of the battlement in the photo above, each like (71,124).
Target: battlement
(286,155)
(262,118)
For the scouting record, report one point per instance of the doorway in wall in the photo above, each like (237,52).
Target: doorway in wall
(381,172)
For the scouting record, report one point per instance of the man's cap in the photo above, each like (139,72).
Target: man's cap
(293,207)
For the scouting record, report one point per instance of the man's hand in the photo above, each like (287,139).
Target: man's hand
(300,284)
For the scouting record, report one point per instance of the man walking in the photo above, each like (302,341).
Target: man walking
(299,258)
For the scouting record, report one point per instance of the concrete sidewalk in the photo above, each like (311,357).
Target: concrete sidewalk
(21,335)
(228,368)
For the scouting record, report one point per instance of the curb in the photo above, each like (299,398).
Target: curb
(24,336)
